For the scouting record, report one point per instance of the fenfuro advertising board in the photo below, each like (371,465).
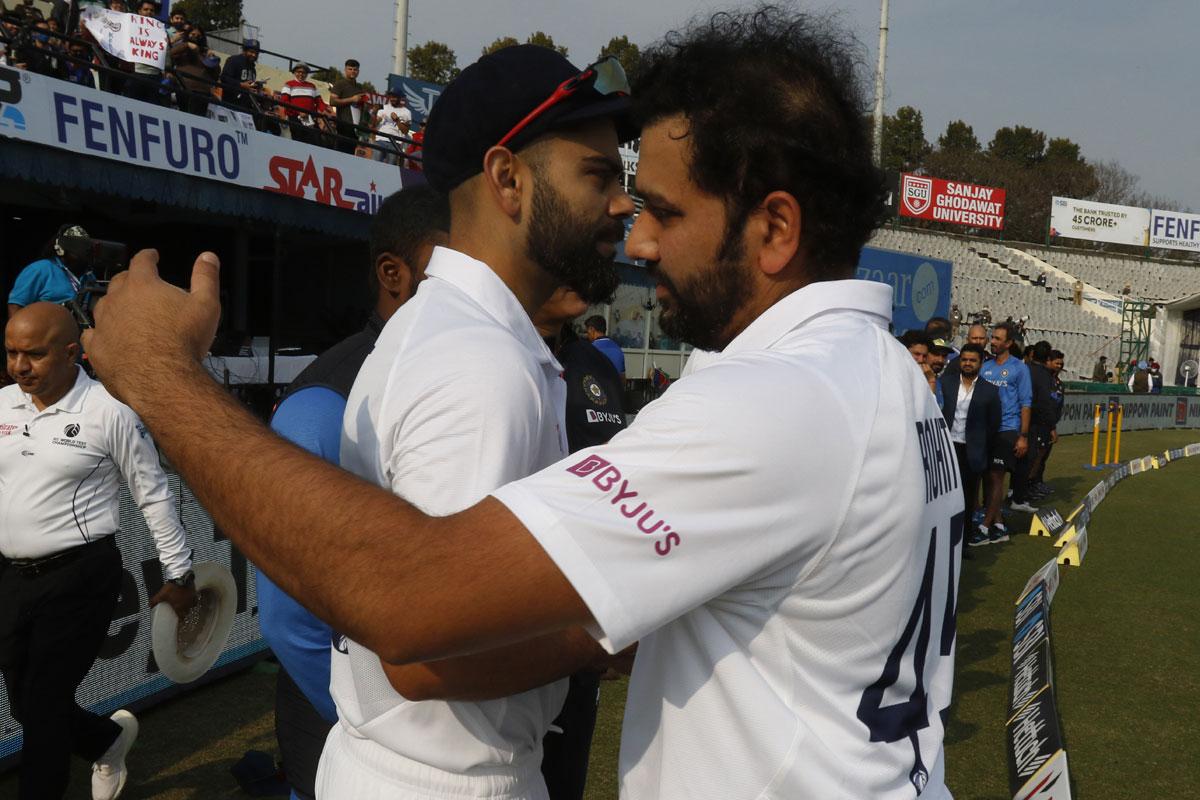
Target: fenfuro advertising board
(1174,230)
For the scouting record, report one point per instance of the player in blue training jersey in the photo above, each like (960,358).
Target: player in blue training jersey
(1011,377)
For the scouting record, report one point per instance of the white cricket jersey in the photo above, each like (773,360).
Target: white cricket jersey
(780,532)
(60,471)
(459,396)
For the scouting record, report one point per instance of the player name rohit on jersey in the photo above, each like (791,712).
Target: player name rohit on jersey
(937,456)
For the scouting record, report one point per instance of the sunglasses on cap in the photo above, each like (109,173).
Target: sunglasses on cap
(606,77)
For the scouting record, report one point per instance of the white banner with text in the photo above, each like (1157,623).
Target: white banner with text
(1098,222)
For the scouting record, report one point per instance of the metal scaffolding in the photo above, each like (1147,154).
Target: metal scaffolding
(1136,319)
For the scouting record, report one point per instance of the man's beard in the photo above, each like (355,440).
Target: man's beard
(700,311)
(565,246)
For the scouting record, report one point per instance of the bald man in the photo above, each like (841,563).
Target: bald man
(64,443)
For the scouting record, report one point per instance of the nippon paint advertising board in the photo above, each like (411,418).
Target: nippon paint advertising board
(125,672)
(955,202)
(46,111)
(1142,412)
(1099,222)
(920,285)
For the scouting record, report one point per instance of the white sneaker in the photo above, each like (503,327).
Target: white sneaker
(1027,507)
(109,773)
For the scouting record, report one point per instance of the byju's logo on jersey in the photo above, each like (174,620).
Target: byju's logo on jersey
(607,478)
(917,194)
(10,95)
(71,430)
(588,466)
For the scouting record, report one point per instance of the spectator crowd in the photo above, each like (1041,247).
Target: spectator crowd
(355,120)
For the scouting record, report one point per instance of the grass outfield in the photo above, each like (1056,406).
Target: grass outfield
(1126,646)
(1126,643)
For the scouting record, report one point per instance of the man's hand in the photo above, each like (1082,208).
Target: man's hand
(143,321)
(930,377)
(1053,437)
(180,598)
(617,665)
(1021,447)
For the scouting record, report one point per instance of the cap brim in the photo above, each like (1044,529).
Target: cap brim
(184,662)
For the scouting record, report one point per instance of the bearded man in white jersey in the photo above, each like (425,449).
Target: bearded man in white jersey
(780,532)
(461,395)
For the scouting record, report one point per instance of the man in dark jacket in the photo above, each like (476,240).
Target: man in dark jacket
(972,411)
(1047,401)
(239,77)
(1043,416)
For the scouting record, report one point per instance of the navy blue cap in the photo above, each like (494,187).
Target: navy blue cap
(250,44)
(491,96)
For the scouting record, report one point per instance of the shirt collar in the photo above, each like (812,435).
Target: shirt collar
(802,305)
(476,280)
(71,402)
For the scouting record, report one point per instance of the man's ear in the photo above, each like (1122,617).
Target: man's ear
(777,225)
(504,178)
(395,276)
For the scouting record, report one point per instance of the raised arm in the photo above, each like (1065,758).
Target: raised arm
(408,586)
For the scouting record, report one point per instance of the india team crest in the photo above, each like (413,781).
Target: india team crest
(917,194)
(593,390)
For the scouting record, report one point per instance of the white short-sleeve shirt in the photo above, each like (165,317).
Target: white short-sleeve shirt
(780,534)
(459,396)
(387,124)
(60,471)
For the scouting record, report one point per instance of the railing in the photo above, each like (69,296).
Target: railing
(261,107)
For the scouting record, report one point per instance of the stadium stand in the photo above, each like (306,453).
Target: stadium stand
(988,274)
(1004,279)
(1154,280)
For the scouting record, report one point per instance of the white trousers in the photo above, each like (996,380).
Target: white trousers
(352,768)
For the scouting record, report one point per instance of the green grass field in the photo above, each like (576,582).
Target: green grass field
(1126,650)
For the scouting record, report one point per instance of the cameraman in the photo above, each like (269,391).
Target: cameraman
(52,278)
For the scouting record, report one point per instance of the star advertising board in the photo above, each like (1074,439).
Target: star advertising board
(967,204)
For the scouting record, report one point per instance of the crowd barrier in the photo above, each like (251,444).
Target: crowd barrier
(125,674)
(1037,757)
